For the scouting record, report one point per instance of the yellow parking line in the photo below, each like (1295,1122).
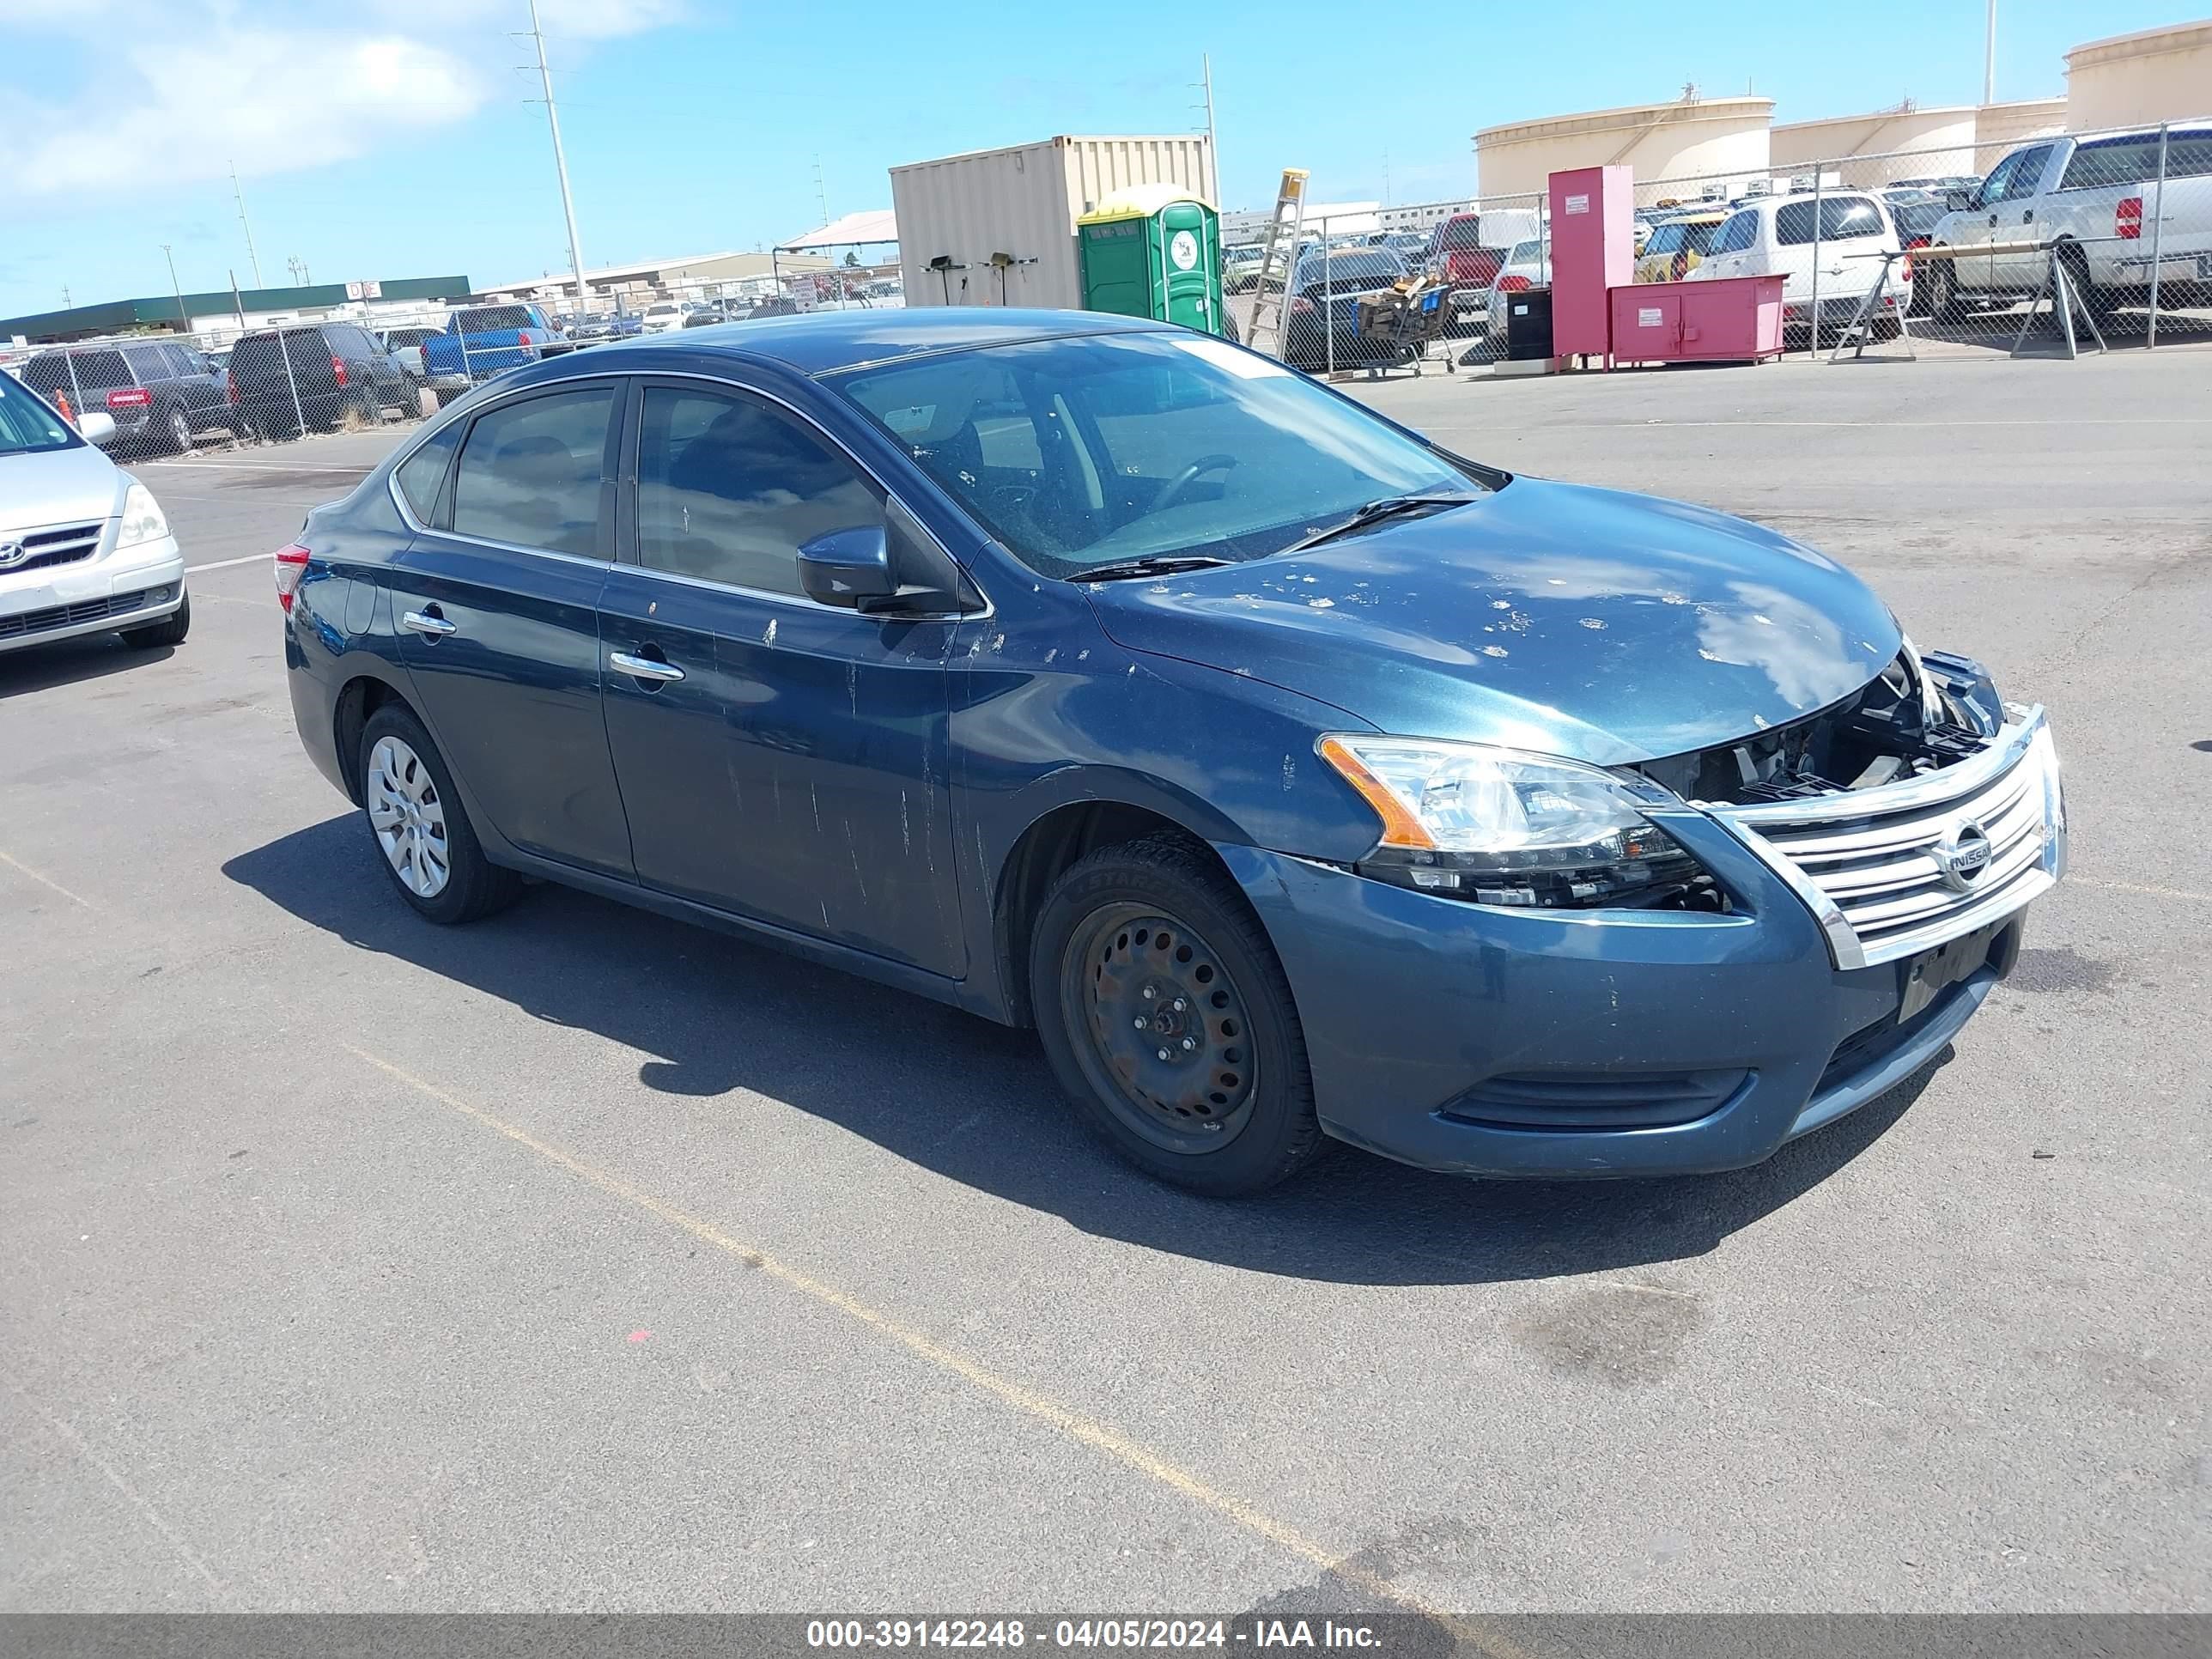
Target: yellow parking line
(1072,1424)
(18,866)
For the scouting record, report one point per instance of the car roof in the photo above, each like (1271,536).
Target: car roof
(822,342)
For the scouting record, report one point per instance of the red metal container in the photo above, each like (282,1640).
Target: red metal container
(1730,319)
(1593,232)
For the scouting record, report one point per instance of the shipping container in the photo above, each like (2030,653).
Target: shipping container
(997,226)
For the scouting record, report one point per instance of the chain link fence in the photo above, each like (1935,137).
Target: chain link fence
(1969,246)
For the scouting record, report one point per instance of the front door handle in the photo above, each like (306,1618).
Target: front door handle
(645,668)
(429,623)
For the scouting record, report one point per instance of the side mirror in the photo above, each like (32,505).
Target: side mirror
(1959,201)
(848,567)
(96,426)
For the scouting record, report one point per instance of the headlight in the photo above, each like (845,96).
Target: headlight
(142,518)
(1500,827)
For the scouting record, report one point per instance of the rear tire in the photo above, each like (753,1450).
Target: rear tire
(177,427)
(1230,1111)
(2097,302)
(169,631)
(422,832)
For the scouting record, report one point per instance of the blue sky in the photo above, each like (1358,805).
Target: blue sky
(393,137)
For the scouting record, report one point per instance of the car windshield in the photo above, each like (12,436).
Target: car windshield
(1078,452)
(27,425)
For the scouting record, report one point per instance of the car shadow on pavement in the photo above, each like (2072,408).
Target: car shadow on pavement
(975,1102)
(69,662)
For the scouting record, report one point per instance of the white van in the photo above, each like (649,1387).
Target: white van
(1814,242)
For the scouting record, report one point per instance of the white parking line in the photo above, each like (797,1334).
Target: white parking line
(225,564)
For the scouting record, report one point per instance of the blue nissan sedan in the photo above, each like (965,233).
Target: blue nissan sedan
(1293,776)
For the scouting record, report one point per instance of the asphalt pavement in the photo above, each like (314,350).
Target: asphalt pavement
(580,1260)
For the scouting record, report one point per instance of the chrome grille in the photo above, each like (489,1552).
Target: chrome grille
(1874,864)
(66,546)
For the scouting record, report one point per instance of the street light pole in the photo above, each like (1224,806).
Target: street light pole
(560,161)
(1989,56)
(177,289)
(251,257)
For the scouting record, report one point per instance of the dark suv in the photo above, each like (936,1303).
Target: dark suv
(336,369)
(159,392)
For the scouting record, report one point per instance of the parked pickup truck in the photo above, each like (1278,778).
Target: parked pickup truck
(2100,199)
(482,341)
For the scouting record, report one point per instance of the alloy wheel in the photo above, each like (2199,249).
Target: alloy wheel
(1161,1027)
(408,817)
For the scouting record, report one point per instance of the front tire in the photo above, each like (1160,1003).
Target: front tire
(1167,1015)
(421,831)
(1944,303)
(169,631)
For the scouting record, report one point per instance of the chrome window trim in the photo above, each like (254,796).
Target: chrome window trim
(407,514)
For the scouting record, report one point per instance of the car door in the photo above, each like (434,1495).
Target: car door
(1972,230)
(497,603)
(781,759)
(2012,223)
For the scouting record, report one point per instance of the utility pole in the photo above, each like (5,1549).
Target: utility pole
(237,303)
(1989,58)
(560,161)
(177,289)
(1213,150)
(821,190)
(251,257)
(65,298)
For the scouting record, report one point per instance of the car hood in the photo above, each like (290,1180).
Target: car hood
(57,487)
(1590,623)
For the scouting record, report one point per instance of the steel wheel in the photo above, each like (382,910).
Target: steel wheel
(1162,1031)
(408,817)
(180,431)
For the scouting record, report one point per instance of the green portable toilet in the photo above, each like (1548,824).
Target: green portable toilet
(1154,251)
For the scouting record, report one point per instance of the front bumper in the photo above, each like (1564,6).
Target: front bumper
(1484,1041)
(128,588)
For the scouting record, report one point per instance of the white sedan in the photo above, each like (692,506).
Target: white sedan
(1526,266)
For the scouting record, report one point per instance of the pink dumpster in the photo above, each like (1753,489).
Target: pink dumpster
(1729,319)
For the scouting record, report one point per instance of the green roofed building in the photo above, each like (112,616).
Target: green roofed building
(229,311)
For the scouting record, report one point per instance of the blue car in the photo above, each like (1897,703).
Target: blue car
(1293,776)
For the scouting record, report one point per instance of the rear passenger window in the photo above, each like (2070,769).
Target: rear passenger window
(1842,218)
(729,490)
(146,362)
(422,473)
(530,473)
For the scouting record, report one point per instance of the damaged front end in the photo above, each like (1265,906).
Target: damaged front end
(1916,810)
(1917,716)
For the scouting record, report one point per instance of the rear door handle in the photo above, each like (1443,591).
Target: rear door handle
(429,624)
(645,668)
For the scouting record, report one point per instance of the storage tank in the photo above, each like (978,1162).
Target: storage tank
(997,226)
(2132,80)
(1691,138)
(1999,127)
(1939,143)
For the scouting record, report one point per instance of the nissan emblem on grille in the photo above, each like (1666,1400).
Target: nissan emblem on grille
(11,554)
(1962,858)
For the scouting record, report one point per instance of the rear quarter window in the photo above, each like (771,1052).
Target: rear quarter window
(422,474)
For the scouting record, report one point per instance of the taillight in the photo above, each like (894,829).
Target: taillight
(523,338)
(338,368)
(1302,306)
(129,397)
(1681,266)
(291,565)
(2127,219)
(229,386)
(1513,284)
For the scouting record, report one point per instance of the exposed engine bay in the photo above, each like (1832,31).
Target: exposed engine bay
(1916,716)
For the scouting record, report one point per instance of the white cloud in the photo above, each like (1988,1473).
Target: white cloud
(273,86)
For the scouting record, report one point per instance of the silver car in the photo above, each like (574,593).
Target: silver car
(83,546)
(1526,266)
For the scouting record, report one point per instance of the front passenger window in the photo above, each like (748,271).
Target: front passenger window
(729,490)
(530,473)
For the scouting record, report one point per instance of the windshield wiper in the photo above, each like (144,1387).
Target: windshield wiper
(1151,564)
(1389,507)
